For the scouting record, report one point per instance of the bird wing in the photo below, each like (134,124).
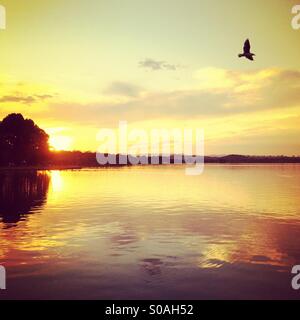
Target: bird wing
(247,46)
(250,58)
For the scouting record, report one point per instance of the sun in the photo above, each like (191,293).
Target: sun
(61,143)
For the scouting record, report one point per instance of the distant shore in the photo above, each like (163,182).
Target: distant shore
(230,160)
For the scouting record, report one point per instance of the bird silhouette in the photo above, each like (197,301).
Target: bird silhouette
(247,54)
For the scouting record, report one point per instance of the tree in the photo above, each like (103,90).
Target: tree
(22,142)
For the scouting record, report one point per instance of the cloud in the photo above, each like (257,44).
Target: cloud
(44,96)
(217,93)
(241,111)
(126,89)
(24,99)
(156,65)
(18,99)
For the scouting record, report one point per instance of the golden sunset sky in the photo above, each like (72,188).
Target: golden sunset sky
(77,66)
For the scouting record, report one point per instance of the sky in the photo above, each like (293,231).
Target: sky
(77,66)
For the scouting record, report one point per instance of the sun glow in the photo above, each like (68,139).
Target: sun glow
(61,143)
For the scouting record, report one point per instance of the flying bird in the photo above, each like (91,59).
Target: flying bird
(247,54)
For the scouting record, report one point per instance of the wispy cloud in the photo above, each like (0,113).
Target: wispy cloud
(156,65)
(217,94)
(248,111)
(24,99)
(126,89)
(246,107)
(18,99)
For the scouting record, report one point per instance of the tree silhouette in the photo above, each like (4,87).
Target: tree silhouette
(22,142)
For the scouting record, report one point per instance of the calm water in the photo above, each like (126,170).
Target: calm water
(151,232)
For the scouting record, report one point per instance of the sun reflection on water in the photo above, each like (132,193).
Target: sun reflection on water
(56,181)
(155,219)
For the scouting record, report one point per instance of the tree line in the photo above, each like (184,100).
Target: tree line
(23,143)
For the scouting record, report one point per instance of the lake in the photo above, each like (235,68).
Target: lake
(151,233)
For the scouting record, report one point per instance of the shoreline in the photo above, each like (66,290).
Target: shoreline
(65,167)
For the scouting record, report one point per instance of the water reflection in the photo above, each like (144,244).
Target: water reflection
(21,193)
(152,232)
